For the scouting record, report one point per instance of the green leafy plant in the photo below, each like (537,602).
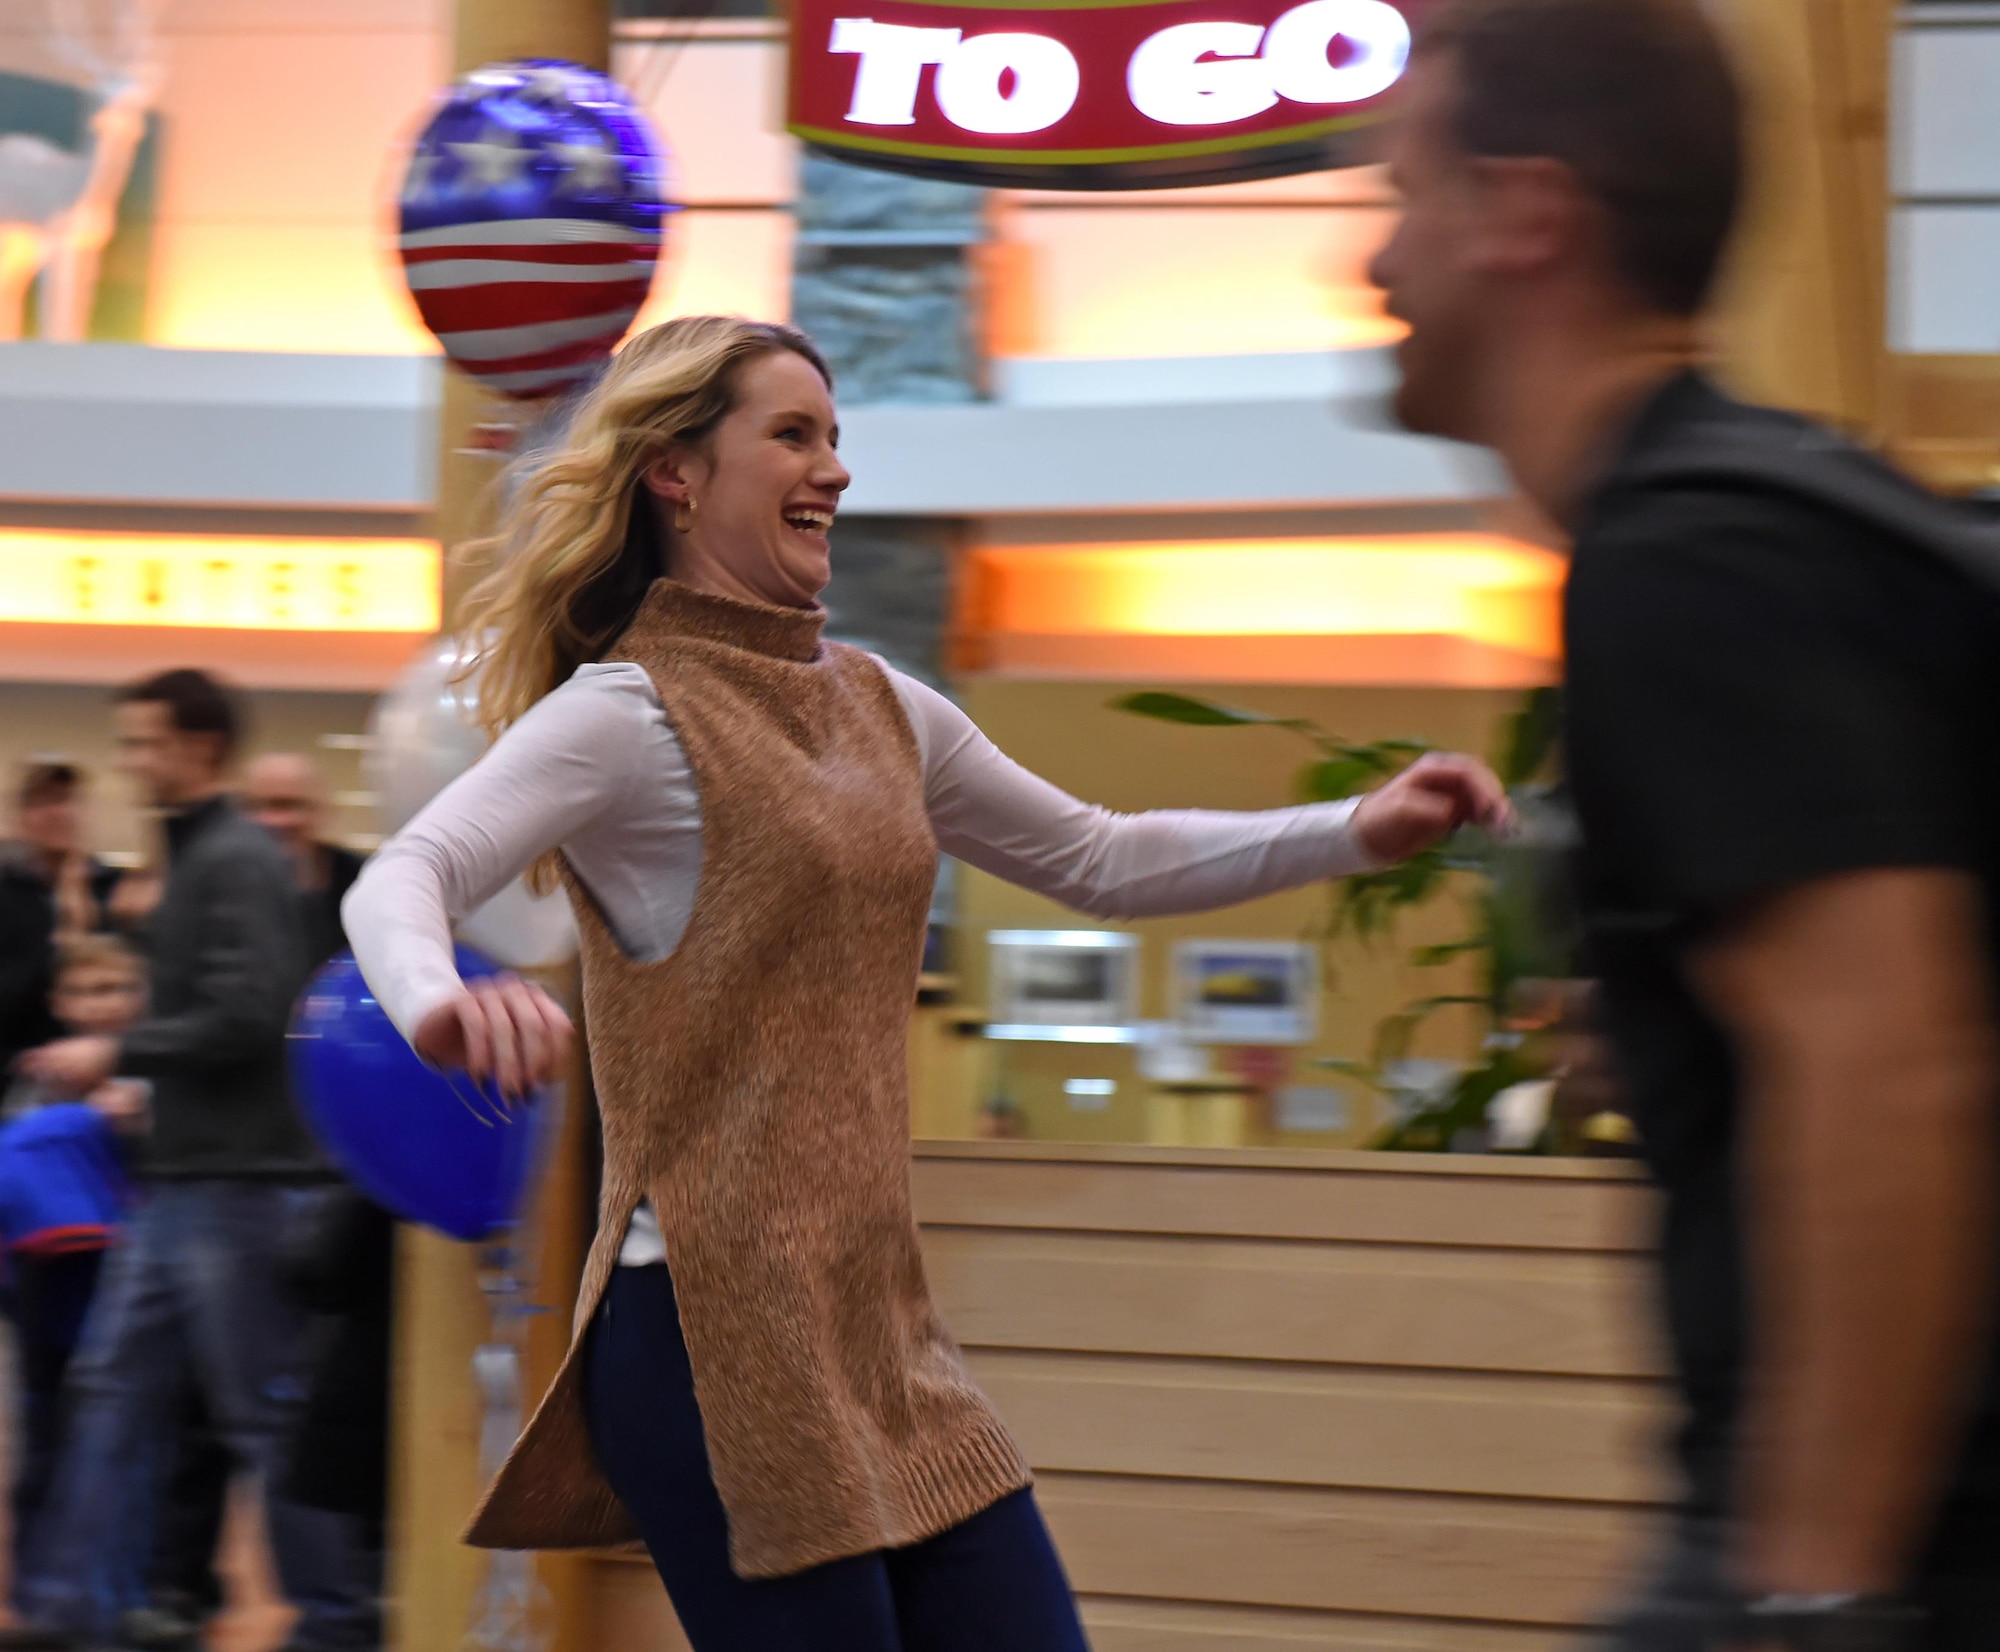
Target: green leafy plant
(1510,891)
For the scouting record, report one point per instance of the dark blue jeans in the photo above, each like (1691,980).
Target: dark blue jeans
(993,1584)
(193,1288)
(51,1299)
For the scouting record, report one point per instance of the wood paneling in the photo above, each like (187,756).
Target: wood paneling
(1284,1401)
(1443,1557)
(1153,1626)
(1411,1199)
(1332,1304)
(1493,1436)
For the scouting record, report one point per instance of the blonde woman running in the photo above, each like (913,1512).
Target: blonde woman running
(748,818)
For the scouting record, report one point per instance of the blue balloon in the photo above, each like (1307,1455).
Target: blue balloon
(429,1146)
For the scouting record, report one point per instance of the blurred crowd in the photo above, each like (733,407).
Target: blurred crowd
(196,1298)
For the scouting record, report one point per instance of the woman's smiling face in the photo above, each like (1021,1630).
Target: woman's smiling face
(754,503)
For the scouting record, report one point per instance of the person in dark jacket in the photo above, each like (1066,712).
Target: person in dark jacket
(339,1260)
(284,793)
(227,1162)
(343,1268)
(49,889)
(337,1451)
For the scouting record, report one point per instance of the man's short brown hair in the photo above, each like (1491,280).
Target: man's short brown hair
(1636,97)
(195,704)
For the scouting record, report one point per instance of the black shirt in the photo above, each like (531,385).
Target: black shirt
(1763,690)
(27,949)
(319,909)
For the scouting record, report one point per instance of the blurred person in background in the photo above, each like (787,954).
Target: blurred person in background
(1783,705)
(196,1285)
(339,1254)
(284,792)
(340,1267)
(51,889)
(336,1265)
(64,1194)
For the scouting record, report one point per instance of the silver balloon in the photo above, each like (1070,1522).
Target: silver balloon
(423,734)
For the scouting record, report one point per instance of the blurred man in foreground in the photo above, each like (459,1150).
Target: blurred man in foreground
(1784,701)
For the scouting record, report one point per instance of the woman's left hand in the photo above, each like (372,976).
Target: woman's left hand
(1427,802)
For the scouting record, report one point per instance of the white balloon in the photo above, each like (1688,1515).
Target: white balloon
(424,733)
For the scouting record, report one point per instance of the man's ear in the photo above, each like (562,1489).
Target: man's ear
(664,477)
(1533,213)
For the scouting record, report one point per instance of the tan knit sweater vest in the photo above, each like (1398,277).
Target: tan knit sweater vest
(754,1087)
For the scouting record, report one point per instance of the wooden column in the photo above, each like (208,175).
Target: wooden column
(1802,317)
(494,31)
(440,1314)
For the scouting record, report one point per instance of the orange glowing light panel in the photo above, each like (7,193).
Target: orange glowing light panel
(1483,597)
(226,583)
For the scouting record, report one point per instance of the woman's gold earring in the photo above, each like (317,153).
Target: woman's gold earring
(684,515)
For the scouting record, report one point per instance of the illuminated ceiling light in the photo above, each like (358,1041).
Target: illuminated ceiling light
(60,577)
(1448,609)
(1478,586)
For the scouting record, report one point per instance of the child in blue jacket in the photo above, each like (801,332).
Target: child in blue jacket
(64,1192)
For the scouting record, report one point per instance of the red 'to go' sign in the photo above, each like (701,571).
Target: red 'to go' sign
(1116,94)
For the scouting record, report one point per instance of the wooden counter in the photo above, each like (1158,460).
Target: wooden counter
(1292,1401)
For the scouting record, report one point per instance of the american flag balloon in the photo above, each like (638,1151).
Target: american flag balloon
(533,212)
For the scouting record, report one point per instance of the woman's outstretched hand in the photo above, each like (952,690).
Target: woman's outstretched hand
(500,1028)
(1427,802)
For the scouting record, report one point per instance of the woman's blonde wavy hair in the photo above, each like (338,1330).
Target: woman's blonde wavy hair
(580,547)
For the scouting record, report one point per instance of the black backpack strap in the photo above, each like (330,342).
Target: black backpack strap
(1763,448)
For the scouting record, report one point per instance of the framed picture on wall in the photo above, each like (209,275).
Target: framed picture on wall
(1246,992)
(1081,984)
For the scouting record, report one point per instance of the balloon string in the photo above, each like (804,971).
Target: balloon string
(492,1116)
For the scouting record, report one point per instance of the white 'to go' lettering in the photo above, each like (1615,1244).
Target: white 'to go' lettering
(1192,74)
(892,62)
(1169,82)
(1046,80)
(1206,74)
(1297,46)
(969,79)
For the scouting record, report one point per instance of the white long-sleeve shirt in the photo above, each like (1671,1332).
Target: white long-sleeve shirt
(597,770)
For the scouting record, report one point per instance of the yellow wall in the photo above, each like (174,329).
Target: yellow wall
(1067,733)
